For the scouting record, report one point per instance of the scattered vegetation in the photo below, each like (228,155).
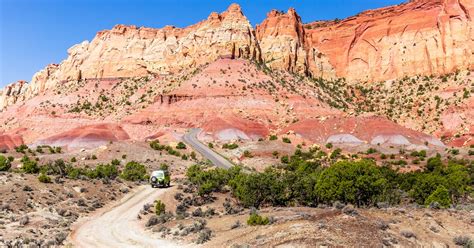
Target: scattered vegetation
(134,171)
(160,207)
(256,219)
(230,146)
(5,164)
(302,180)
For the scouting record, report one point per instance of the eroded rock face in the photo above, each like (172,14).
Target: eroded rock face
(85,136)
(419,37)
(12,93)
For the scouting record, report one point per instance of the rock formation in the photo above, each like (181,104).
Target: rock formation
(419,37)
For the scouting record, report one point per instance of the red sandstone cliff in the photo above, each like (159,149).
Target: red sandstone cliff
(419,37)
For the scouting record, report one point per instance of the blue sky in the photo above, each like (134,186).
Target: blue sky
(35,33)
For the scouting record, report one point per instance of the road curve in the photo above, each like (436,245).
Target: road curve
(191,139)
(118,226)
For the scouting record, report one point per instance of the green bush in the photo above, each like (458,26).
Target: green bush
(359,182)
(230,146)
(73,160)
(371,150)
(155,145)
(248,154)
(441,196)
(181,146)
(30,167)
(336,153)
(273,137)
(210,145)
(286,140)
(5,164)
(44,178)
(209,181)
(109,171)
(329,145)
(256,219)
(134,171)
(21,148)
(160,207)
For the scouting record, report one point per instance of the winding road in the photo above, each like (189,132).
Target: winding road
(191,139)
(117,225)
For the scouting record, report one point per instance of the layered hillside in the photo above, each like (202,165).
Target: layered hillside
(419,37)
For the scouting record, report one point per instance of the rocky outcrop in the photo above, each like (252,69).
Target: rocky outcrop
(12,93)
(129,51)
(419,37)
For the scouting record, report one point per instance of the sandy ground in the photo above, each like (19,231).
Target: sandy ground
(118,226)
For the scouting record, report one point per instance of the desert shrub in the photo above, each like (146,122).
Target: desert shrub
(336,153)
(44,178)
(160,207)
(371,150)
(30,166)
(155,144)
(463,241)
(134,171)
(73,160)
(329,145)
(21,148)
(74,173)
(420,154)
(193,155)
(58,167)
(210,145)
(115,162)
(286,140)
(5,164)
(109,171)
(440,195)
(181,146)
(230,146)
(204,236)
(248,154)
(209,181)
(256,219)
(273,137)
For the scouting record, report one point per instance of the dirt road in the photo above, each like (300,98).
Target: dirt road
(117,226)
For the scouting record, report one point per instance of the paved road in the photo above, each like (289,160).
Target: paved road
(191,139)
(117,226)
